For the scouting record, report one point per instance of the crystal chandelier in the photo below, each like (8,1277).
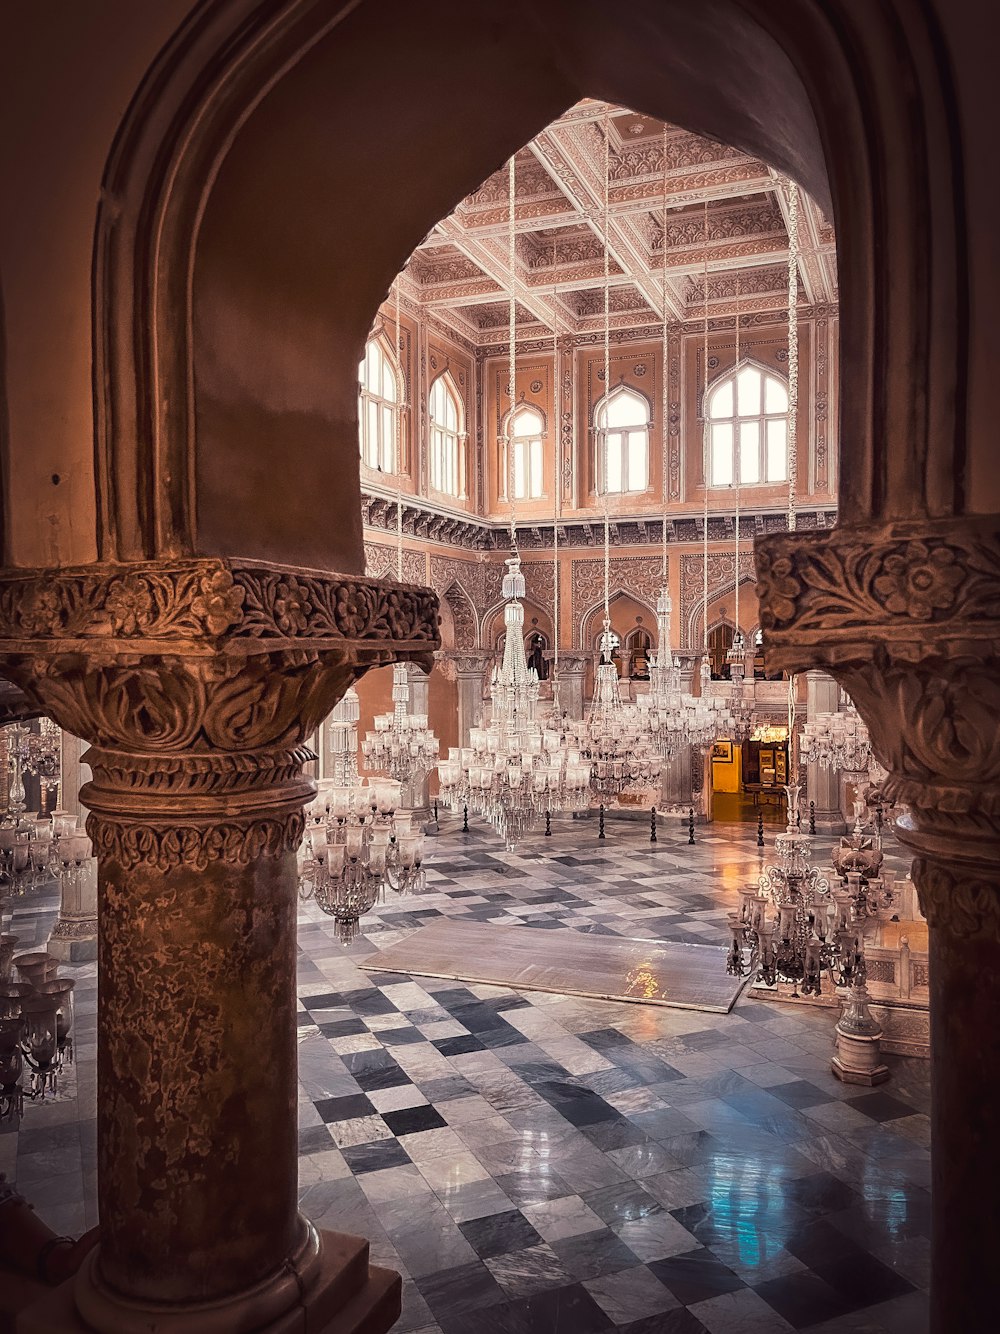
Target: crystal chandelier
(30,752)
(792,927)
(357,842)
(36,1019)
(837,741)
(514,769)
(666,707)
(402,745)
(342,739)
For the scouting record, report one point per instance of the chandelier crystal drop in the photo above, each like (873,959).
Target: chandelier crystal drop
(402,745)
(666,707)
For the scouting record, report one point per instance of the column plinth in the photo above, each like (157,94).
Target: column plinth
(196,684)
(907,617)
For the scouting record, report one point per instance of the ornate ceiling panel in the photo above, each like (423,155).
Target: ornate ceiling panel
(461,273)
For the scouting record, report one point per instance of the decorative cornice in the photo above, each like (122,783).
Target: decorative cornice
(422,520)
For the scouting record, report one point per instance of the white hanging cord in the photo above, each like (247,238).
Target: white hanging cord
(793,404)
(511,355)
(739,452)
(399,449)
(663,376)
(557,499)
(705,425)
(793,347)
(607,362)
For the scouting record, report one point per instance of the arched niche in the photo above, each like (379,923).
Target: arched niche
(259,201)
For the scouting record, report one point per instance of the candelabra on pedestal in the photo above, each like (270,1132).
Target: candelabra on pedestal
(797,929)
(36,1020)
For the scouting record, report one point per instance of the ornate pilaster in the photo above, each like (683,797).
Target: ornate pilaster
(196,683)
(572,678)
(468,668)
(74,936)
(822,784)
(907,618)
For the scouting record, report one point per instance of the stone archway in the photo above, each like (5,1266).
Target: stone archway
(212,341)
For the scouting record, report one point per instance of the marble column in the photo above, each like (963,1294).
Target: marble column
(905,615)
(470,667)
(196,707)
(74,936)
(572,679)
(823,786)
(415,792)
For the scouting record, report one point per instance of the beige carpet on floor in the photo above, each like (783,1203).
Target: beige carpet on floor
(688,977)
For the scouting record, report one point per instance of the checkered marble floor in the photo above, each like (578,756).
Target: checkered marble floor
(539,1164)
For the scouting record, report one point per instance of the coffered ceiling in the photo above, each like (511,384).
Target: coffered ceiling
(460,275)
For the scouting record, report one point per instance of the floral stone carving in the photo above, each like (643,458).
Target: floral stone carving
(197,683)
(909,622)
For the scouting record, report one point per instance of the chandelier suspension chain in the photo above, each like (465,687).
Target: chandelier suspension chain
(793,347)
(663,371)
(704,418)
(511,352)
(793,404)
(739,455)
(399,446)
(607,362)
(556,501)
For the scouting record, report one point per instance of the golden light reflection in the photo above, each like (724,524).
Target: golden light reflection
(642,982)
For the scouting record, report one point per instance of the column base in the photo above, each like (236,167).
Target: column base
(826,824)
(847,1075)
(73,949)
(347,1296)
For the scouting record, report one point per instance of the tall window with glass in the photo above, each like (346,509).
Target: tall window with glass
(525,436)
(379,383)
(622,423)
(748,428)
(447,440)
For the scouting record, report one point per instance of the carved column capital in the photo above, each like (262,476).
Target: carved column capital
(196,683)
(906,616)
(467,662)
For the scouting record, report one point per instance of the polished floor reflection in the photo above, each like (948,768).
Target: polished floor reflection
(540,1164)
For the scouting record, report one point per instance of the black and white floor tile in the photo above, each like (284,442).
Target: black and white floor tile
(540,1164)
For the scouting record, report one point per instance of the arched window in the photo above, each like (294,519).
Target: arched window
(527,430)
(748,429)
(622,422)
(447,451)
(379,383)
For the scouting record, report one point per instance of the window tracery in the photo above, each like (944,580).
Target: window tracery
(379,384)
(621,420)
(447,438)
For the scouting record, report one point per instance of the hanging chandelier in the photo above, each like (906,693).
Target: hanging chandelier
(357,842)
(666,708)
(36,1019)
(514,769)
(402,745)
(618,743)
(838,740)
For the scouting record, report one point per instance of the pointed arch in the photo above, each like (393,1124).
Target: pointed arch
(462,610)
(692,626)
(587,627)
